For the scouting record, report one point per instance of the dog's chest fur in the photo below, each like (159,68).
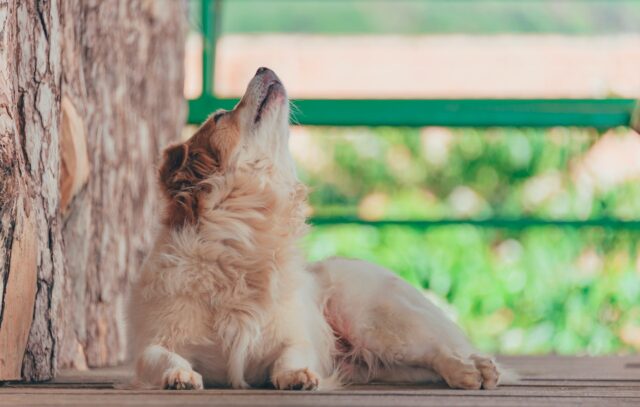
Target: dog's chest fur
(235,269)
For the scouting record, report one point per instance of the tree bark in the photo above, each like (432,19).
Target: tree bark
(90,92)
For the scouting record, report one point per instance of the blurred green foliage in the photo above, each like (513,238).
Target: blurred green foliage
(537,290)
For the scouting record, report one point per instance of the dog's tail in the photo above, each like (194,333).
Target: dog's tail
(333,382)
(508,376)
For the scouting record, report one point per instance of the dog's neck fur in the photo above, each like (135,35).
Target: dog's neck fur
(247,235)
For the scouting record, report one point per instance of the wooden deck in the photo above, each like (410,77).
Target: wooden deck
(547,380)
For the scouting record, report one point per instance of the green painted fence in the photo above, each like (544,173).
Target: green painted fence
(598,113)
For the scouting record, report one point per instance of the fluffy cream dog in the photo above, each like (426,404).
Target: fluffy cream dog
(225,297)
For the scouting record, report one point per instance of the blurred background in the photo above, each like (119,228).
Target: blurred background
(515,288)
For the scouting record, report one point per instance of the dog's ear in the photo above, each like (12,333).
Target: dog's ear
(175,158)
(184,168)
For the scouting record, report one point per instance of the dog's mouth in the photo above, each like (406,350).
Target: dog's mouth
(272,89)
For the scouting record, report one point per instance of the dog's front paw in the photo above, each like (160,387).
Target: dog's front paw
(181,379)
(489,371)
(462,375)
(302,379)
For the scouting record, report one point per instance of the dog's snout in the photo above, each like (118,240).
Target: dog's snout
(266,75)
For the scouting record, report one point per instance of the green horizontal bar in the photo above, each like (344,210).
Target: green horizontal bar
(635,117)
(520,223)
(200,109)
(598,113)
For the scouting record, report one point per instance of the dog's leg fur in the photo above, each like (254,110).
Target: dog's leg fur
(472,372)
(305,360)
(164,369)
(291,370)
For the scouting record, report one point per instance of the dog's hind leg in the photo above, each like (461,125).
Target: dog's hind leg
(160,368)
(389,324)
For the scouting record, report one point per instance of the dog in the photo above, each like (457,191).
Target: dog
(225,297)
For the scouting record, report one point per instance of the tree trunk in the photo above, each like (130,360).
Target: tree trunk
(90,92)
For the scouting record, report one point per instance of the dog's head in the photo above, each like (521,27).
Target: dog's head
(250,138)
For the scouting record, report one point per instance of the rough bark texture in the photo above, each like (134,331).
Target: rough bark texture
(118,66)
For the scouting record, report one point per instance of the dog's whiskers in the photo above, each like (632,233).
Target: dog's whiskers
(295,110)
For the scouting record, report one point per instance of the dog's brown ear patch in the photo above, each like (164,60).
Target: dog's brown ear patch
(182,173)
(175,158)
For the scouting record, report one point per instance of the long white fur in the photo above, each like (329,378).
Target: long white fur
(230,301)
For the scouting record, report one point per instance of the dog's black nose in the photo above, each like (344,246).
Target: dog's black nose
(261,70)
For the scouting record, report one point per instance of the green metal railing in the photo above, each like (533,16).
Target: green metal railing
(597,113)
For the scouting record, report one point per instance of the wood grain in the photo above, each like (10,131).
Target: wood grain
(74,160)
(19,298)
(585,381)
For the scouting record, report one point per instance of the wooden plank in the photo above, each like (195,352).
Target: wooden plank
(307,399)
(630,391)
(586,381)
(603,368)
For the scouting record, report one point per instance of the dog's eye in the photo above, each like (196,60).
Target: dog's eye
(217,116)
